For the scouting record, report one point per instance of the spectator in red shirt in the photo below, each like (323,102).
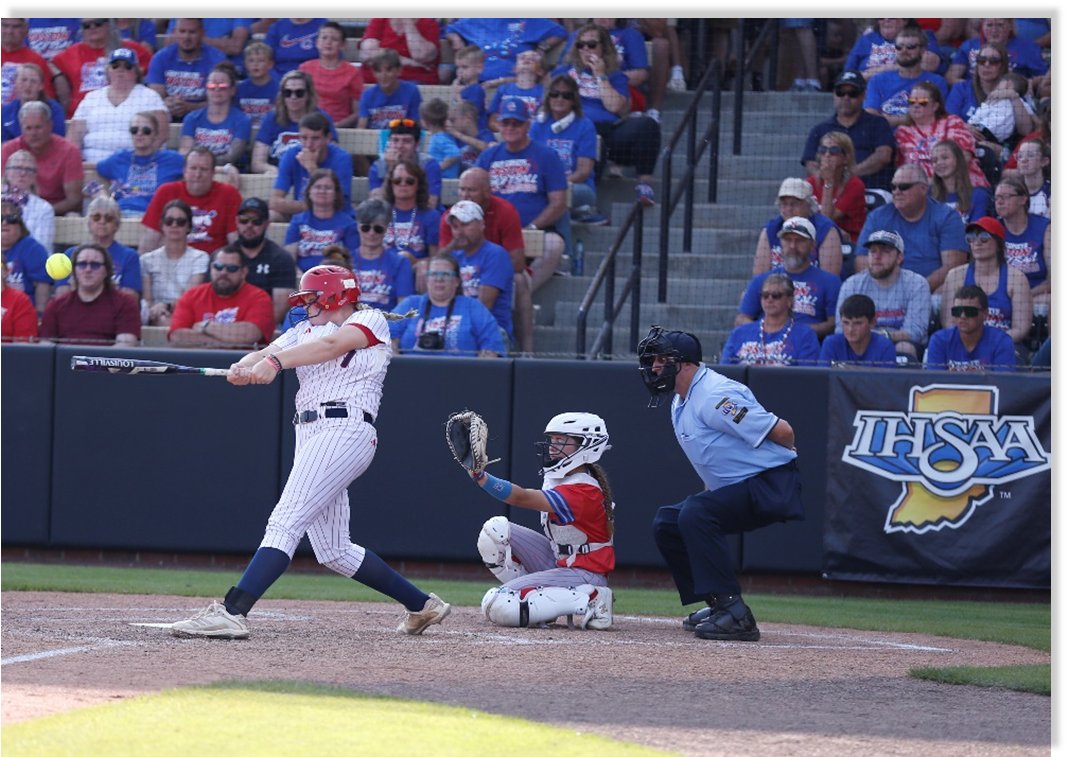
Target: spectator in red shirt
(94,312)
(18,318)
(227,311)
(214,205)
(416,41)
(338,82)
(59,163)
(838,190)
(83,64)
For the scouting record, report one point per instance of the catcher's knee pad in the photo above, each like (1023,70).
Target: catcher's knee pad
(518,609)
(495,547)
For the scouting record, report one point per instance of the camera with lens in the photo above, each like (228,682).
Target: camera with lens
(431,340)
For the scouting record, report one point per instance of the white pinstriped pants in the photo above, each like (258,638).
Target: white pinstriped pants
(534,550)
(330,454)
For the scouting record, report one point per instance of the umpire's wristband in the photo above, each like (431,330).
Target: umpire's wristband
(495,487)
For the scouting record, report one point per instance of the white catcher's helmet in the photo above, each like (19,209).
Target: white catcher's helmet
(587,427)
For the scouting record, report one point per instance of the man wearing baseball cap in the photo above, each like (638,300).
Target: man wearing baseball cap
(902,298)
(873,139)
(796,199)
(270,267)
(531,176)
(932,231)
(815,290)
(485,268)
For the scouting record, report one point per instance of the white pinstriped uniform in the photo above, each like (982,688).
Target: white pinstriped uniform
(330,452)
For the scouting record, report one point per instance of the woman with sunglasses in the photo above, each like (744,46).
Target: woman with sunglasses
(83,64)
(384,275)
(20,186)
(448,323)
(324,223)
(414,226)
(952,183)
(29,85)
(984,86)
(594,65)
(1006,287)
(96,127)
(25,256)
(104,218)
(94,312)
(170,270)
(221,126)
(837,189)
(927,124)
(135,174)
(561,125)
(775,338)
(280,128)
(1027,236)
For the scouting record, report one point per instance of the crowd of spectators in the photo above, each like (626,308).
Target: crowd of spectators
(934,166)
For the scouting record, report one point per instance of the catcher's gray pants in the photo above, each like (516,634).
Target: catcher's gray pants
(534,551)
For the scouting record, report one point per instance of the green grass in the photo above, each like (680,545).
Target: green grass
(278,717)
(1032,678)
(1025,625)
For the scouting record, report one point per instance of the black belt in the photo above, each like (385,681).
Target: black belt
(308,416)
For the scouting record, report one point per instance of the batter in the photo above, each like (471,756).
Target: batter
(564,572)
(340,354)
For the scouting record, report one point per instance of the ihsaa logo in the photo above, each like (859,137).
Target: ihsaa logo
(949,450)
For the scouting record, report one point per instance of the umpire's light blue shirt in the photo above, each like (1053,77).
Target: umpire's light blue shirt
(723,430)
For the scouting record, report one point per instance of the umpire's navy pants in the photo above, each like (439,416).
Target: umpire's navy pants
(691,534)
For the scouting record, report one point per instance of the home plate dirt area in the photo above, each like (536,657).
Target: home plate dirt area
(799,690)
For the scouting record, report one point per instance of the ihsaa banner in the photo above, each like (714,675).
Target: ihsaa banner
(939,479)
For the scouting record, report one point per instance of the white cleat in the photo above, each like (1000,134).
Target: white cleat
(598,615)
(434,611)
(213,623)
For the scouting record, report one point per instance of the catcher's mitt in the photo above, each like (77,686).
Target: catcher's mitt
(466,434)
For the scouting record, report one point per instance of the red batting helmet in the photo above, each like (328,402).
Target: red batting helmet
(328,286)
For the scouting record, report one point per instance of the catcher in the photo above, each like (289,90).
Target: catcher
(565,571)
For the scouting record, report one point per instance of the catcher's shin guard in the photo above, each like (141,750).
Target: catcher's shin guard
(495,547)
(530,607)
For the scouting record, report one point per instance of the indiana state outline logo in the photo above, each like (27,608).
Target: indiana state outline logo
(949,450)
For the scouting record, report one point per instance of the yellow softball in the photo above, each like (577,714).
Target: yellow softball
(58,266)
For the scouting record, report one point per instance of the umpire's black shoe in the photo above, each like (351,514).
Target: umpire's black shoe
(691,621)
(725,627)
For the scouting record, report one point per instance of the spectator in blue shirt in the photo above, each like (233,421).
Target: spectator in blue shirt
(384,275)
(448,323)
(293,42)
(1025,57)
(857,344)
(933,234)
(104,219)
(875,51)
(179,72)
(29,85)
(221,126)
(136,174)
(257,93)
(531,177)
(316,151)
(970,345)
(888,92)
(485,268)
(776,338)
(325,221)
(279,130)
(502,39)
(390,99)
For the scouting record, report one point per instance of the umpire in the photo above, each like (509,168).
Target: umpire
(746,458)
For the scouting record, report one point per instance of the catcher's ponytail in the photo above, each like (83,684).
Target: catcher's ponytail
(609,504)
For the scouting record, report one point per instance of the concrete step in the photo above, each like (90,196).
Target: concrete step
(683,291)
(732,216)
(686,317)
(559,341)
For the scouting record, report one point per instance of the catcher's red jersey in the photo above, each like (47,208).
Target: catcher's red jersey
(580,505)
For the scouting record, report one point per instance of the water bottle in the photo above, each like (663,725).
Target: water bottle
(577,265)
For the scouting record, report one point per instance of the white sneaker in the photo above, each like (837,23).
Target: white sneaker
(654,114)
(434,611)
(676,84)
(213,623)
(599,611)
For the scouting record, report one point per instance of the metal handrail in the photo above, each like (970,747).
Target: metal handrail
(606,270)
